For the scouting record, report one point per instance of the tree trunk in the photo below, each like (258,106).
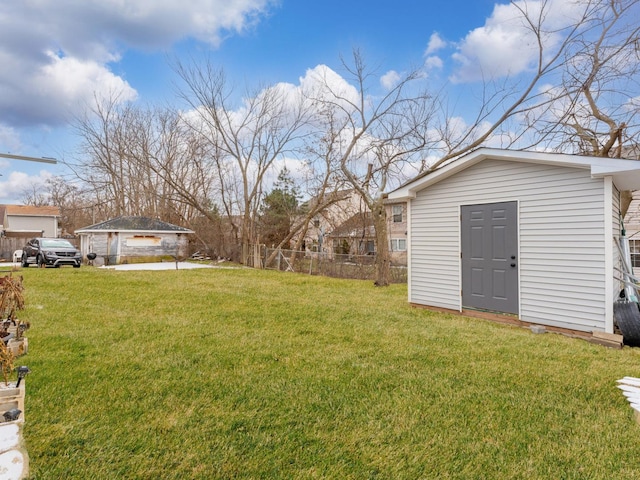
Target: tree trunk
(383,262)
(626,196)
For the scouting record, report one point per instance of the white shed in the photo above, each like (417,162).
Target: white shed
(526,234)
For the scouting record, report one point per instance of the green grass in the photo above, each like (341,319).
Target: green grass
(253,374)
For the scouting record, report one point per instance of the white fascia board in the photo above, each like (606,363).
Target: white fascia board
(626,176)
(626,173)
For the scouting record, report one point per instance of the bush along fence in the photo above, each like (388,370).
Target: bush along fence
(360,267)
(14,461)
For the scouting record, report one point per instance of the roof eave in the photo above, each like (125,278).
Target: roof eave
(625,172)
(623,178)
(109,230)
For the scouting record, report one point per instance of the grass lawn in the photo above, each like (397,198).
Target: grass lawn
(254,374)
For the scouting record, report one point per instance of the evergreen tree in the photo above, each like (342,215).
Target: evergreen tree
(279,208)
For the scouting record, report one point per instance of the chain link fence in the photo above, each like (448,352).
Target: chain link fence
(360,267)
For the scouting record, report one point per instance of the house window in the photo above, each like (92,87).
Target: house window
(371,247)
(634,247)
(367,247)
(398,244)
(396,210)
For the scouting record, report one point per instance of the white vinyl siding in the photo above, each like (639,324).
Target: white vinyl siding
(561,219)
(47,225)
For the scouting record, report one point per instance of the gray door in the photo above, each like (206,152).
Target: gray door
(489,235)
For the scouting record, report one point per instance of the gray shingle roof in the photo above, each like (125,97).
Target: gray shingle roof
(136,223)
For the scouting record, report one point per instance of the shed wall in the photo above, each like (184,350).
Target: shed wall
(561,228)
(130,247)
(134,246)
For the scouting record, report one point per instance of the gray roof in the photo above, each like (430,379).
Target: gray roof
(126,223)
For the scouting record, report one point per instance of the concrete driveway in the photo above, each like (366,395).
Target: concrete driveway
(158,266)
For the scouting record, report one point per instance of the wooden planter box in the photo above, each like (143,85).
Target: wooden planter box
(11,397)
(18,346)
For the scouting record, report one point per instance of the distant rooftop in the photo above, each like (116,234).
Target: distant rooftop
(129,223)
(31,210)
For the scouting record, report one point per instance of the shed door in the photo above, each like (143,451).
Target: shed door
(489,242)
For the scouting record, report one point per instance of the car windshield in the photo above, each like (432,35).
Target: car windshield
(56,243)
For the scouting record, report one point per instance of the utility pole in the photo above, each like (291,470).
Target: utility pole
(28,159)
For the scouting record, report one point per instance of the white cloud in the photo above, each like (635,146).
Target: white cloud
(433,62)
(632,105)
(318,83)
(13,186)
(56,54)
(390,79)
(322,82)
(505,45)
(9,139)
(435,43)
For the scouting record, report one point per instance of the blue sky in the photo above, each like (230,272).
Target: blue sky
(57,54)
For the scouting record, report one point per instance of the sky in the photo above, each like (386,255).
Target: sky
(57,56)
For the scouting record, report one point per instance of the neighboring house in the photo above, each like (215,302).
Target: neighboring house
(29,221)
(357,235)
(134,239)
(526,234)
(632,227)
(341,206)
(19,223)
(397,230)
(346,227)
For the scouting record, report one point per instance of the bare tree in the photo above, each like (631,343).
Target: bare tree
(581,94)
(323,184)
(144,162)
(595,108)
(577,97)
(35,195)
(67,196)
(374,137)
(248,137)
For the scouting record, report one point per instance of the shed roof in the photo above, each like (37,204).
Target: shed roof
(625,173)
(134,224)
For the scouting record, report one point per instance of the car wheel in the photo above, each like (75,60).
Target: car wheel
(76,266)
(25,263)
(40,261)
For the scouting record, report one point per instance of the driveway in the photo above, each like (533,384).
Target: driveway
(158,266)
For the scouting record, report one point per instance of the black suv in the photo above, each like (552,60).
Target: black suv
(50,251)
